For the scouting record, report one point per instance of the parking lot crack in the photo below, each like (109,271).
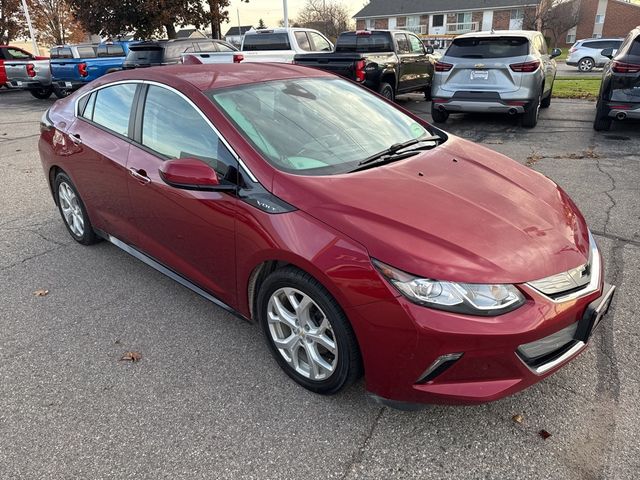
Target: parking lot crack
(358,456)
(608,193)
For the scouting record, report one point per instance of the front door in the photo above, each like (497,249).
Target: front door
(191,232)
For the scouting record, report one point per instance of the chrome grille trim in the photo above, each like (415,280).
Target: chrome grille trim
(586,276)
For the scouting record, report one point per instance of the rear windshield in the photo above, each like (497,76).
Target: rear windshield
(145,54)
(174,50)
(110,51)
(266,41)
(86,52)
(494,47)
(61,52)
(364,43)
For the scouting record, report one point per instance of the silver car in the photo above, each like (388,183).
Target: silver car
(586,54)
(495,72)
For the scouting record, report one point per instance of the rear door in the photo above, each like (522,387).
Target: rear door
(482,63)
(405,67)
(421,63)
(101,131)
(191,232)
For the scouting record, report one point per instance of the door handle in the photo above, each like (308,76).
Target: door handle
(139,175)
(75,138)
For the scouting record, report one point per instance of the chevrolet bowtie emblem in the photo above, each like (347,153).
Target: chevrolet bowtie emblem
(479,65)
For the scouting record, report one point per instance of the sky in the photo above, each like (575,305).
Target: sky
(271,11)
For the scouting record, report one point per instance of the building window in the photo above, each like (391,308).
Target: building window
(599,18)
(438,20)
(517,14)
(571,38)
(597,35)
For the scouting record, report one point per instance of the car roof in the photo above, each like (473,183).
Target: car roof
(216,76)
(501,33)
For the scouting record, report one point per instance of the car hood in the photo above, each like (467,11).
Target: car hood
(459,212)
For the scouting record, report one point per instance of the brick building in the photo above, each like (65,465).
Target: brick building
(604,19)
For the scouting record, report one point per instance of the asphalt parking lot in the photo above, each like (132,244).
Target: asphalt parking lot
(207,400)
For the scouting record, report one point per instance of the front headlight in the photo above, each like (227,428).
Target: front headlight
(469,298)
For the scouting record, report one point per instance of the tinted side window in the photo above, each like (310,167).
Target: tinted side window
(223,47)
(62,52)
(320,44)
(14,54)
(112,107)
(303,41)
(184,133)
(110,51)
(266,41)
(416,44)
(635,47)
(86,52)
(403,43)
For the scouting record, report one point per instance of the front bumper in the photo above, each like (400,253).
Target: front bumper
(489,365)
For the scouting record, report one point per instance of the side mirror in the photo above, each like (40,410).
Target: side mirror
(556,52)
(191,174)
(607,52)
(429,49)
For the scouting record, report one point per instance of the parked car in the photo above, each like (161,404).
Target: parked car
(360,238)
(495,72)
(9,53)
(586,54)
(223,53)
(619,96)
(386,61)
(74,66)
(282,44)
(167,52)
(33,75)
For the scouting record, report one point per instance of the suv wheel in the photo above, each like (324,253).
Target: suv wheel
(41,93)
(602,120)
(439,116)
(546,102)
(530,117)
(61,92)
(586,64)
(307,331)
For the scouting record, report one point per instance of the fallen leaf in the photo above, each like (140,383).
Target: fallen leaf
(544,434)
(131,357)
(41,292)
(518,418)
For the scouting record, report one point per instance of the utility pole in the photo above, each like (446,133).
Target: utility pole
(286,13)
(36,50)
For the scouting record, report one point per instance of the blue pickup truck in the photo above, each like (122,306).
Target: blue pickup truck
(71,68)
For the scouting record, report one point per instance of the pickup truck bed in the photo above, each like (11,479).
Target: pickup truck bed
(32,75)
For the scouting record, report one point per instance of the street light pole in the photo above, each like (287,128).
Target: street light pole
(286,13)
(36,50)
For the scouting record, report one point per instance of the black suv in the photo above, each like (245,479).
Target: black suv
(166,52)
(620,90)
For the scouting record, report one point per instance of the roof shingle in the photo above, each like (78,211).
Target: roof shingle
(382,8)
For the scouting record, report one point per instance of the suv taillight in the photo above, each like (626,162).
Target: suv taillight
(622,67)
(572,49)
(82,69)
(31,70)
(526,67)
(443,67)
(360,74)
(238,57)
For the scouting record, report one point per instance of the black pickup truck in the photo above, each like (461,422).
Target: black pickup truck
(386,61)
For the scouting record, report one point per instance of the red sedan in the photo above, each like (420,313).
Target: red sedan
(362,239)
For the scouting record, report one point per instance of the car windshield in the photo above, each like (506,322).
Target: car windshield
(315,126)
(490,47)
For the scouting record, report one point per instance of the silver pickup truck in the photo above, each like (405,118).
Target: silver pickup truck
(32,75)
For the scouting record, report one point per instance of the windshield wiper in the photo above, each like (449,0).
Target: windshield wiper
(394,152)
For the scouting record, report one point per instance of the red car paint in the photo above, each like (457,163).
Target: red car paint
(458,212)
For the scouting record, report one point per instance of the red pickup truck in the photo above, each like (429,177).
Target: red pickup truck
(9,53)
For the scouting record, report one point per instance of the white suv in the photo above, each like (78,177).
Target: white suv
(585,54)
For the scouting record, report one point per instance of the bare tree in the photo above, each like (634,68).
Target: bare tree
(554,18)
(54,22)
(12,23)
(328,16)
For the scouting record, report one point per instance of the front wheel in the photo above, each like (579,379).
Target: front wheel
(530,117)
(73,211)
(546,102)
(386,90)
(41,93)
(307,331)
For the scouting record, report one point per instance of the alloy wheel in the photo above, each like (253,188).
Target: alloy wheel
(302,334)
(71,210)
(586,65)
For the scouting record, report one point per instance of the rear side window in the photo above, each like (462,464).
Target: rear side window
(492,47)
(174,50)
(634,49)
(15,54)
(403,43)
(364,42)
(86,52)
(223,47)
(145,54)
(303,41)
(266,41)
(111,107)
(320,44)
(110,51)
(183,134)
(61,52)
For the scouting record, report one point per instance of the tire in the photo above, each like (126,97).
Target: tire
(586,64)
(61,92)
(530,117)
(72,210)
(41,93)
(602,122)
(279,321)
(386,90)
(546,102)
(439,116)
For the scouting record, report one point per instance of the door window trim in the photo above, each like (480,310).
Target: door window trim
(134,115)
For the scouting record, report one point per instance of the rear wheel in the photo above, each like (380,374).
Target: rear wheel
(530,117)
(41,93)
(586,64)
(72,210)
(307,331)
(602,120)
(61,92)
(386,90)
(439,116)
